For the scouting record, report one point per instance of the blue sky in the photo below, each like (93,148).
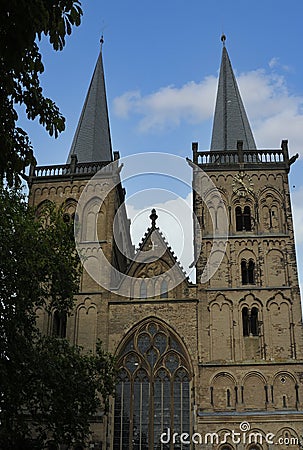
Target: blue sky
(161,62)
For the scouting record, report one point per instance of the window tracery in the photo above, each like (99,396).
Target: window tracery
(153,390)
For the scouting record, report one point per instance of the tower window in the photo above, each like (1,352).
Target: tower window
(239,224)
(247,219)
(251,272)
(245,321)
(254,322)
(250,321)
(248,272)
(228,397)
(243,219)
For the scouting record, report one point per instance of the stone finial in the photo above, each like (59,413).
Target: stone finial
(223,39)
(73,163)
(153,217)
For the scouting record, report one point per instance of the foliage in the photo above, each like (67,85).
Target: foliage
(49,389)
(22,23)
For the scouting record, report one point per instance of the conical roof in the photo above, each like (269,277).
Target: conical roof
(92,141)
(230,119)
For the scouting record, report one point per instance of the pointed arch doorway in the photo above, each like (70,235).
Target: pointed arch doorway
(153,393)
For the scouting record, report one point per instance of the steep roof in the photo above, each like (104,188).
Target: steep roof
(92,141)
(230,119)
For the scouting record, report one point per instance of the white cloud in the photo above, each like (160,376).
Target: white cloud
(275,114)
(273,62)
(173,223)
(170,105)
(125,103)
(273,111)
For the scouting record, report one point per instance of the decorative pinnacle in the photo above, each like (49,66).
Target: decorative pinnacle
(223,39)
(102,40)
(153,217)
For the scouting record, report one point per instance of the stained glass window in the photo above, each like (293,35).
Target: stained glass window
(153,390)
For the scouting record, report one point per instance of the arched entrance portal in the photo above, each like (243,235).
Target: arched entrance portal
(153,390)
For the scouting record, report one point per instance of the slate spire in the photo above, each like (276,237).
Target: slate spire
(92,141)
(230,119)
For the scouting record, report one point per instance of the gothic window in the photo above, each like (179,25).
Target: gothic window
(143,289)
(243,219)
(250,321)
(153,390)
(164,289)
(248,271)
(59,324)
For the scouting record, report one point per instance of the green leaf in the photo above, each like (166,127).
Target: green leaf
(21,66)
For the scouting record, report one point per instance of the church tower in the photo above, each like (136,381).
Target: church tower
(250,341)
(90,154)
(216,364)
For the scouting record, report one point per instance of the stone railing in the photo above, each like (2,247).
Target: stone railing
(242,157)
(74,169)
(50,171)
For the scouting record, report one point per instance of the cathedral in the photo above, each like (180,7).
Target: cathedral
(212,364)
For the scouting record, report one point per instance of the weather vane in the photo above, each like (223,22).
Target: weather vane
(102,33)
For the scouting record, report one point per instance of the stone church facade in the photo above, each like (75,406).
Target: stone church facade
(215,364)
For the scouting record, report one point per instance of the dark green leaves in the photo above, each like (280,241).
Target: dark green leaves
(48,389)
(22,22)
